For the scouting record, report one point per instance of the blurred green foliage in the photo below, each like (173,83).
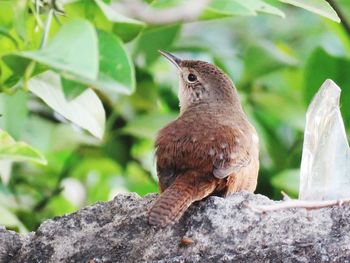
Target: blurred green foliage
(83,91)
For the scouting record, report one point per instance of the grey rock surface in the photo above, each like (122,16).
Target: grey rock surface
(222,230)
(10,243)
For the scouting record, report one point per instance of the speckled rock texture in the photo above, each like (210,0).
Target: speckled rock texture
(10,243)
(222,230)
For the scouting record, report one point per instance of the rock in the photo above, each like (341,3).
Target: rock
(10,243)
(217,230)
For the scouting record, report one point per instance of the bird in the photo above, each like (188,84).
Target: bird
(210,149)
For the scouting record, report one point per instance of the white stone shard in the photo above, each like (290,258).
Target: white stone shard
(325,164)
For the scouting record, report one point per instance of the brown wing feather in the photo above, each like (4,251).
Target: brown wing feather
(233,153)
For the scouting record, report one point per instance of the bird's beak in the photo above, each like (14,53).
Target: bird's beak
(175,60)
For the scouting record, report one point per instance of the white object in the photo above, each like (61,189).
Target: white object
(74,191)
(325,164)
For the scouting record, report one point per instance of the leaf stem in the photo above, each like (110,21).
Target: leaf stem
(47,28)
(34,8)
(27,74)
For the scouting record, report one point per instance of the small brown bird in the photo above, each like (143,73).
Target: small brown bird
(211,148)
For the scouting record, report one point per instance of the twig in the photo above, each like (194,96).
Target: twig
(187,12)
(309,205)
(345,23)
(285,196)
(47,28)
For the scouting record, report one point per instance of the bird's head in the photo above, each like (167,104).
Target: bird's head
(202,83)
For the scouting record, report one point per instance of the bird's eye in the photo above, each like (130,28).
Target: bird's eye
(191,77)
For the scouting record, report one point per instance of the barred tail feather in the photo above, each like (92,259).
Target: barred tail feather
(172,203)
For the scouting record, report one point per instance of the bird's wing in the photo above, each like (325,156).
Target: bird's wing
(232,154)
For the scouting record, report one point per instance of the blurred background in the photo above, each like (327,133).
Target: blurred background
(83,90)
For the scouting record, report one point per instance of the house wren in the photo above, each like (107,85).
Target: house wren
(211,148)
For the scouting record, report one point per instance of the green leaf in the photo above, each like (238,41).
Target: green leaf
(268,102)
(216,8)
(18,65)
(319,7)
(18,151)
(159,4)
(222,8)
(5,172)
(86,110)
(124,27)
(60,205)
(261,6)
(335,68)
(20,10)
(6,14)
(116,71)
(72,88)
(265,58)
(73,50)
(147,126)
(104,172)
(143,151)
(11,221)
(137,180)
(287,181)
(14,112)
(5,32)
(153,39)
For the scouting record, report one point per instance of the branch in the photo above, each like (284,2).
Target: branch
(187,12)
(309,205)
(344,21)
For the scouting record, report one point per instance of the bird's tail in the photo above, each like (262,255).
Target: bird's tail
(173,202)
